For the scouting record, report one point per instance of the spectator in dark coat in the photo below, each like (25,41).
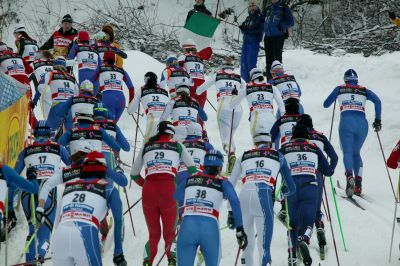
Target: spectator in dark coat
(252,29)
(198,7)
(61,41)
(278,20)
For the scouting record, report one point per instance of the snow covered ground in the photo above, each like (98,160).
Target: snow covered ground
(367,233)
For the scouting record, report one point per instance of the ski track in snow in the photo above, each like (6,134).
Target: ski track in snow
(367,233)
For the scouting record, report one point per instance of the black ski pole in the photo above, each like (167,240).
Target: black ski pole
(131,207)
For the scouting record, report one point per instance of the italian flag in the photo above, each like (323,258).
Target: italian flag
(200,27)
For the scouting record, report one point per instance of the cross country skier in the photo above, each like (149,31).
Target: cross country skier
(10,179)
(304,160)
(45,156)
(193,62)
(84,203)
(286,83)
(42,64)
(258,169)
(353,127)
(197,148)
(87,134)
(111,79)
(281,131)
(260,96)
(203,195)
(26,46)
(87,57)
(228,83)
(70,109)
(323,144)
(172,75)
(183,111)
(154,100)
(14,65)
(161,157)
(55,88)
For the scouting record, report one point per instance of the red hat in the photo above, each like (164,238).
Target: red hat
(83,36)
(109,56)
(95,162)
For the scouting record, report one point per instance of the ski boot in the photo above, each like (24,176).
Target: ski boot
(321,242)
(172,261)
(11,223)
(231,162)
(292,258)
(358,186)
(349,184)
(305,253)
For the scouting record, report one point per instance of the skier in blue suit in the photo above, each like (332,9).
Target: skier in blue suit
(323,144)
(353,127)
(45,156)
(203,195)
(304,159)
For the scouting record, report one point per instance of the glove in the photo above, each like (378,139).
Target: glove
(120,260)
(241,237)
(32,105)
(40,215)
(139,180)
(230,221)
(377,125)
(234,91)
(119,170)
(392,15)
(31,173)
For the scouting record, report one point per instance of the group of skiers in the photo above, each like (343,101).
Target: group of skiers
(183,185)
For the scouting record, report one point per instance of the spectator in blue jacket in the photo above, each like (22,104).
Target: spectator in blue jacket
(252,29)
(278,20)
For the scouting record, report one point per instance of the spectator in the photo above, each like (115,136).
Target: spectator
(395,20)
(252,29)
(110,38)
(61,41)
(278,20)
(198,7)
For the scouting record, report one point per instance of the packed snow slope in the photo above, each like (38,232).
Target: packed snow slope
(367,233)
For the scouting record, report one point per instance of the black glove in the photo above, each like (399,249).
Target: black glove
(392,15)
(40,215)
(230,221)
(377,125)
(31,173)
(241,27)
(120,260)
(241,237)
(32,105)
(235,91)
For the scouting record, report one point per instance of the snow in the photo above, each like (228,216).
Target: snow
(367,233)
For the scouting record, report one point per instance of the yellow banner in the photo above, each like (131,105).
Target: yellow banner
(13,122)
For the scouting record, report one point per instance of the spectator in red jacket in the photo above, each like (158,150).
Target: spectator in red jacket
(61,41)
(394,158)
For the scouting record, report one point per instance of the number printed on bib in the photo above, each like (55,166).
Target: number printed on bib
(287,86)
(302,158)
(352,98)
(260,165)
(203,196)
(161,158)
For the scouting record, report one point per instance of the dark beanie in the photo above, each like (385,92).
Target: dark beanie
(305,120)
(67,18)
(292,106)
(300,132)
